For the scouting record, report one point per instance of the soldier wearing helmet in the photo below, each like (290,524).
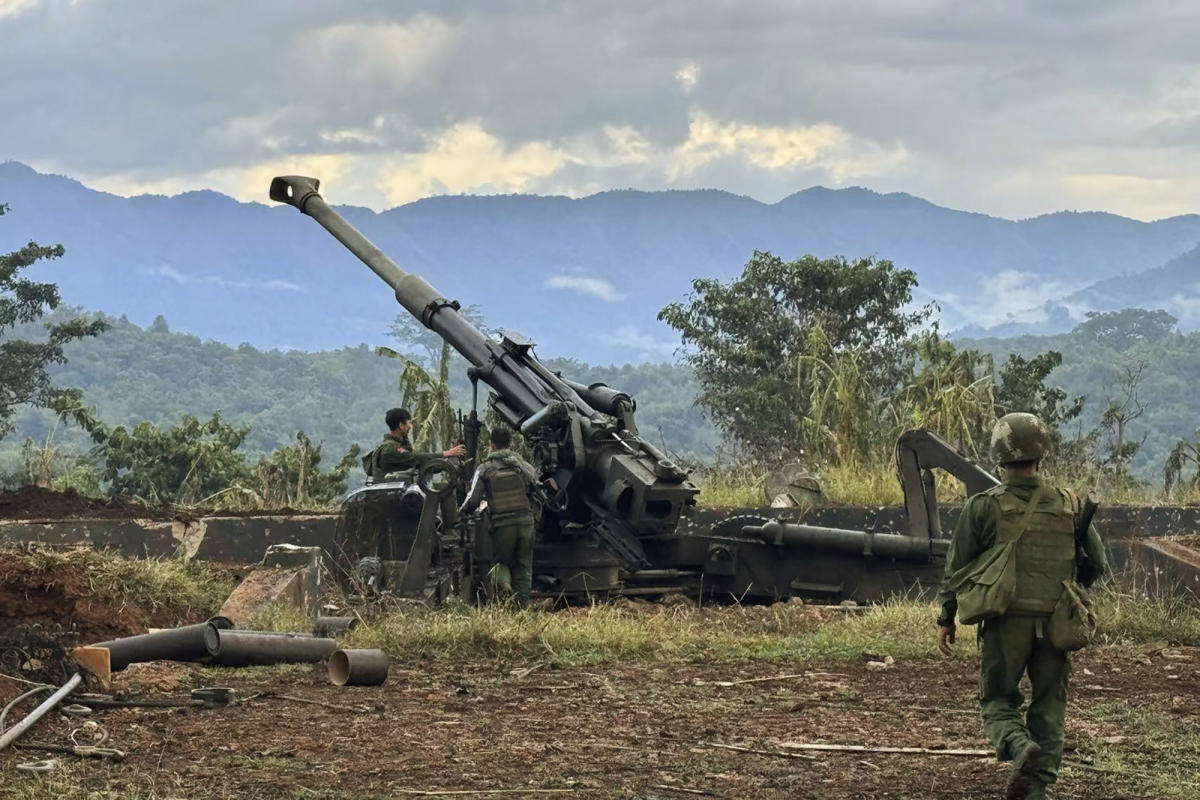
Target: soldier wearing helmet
(1040,519)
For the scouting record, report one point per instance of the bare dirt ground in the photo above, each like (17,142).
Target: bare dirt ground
(624,731)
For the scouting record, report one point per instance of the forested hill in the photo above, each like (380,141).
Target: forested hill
(1098,358)
(582,277)
(337,397)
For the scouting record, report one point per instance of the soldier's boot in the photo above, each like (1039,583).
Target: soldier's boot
(1027,760)
(1038,791)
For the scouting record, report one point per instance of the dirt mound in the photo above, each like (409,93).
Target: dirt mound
(33,502)
(59,602)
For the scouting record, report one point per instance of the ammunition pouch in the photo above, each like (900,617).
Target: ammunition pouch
(1073,623)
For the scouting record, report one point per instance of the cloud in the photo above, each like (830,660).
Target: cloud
(1010,296)
(688,76)
(1009,108)
(10,8)
(466,158)
(172,274)
(643,344)
(595,287)
(392,55)
(778,147)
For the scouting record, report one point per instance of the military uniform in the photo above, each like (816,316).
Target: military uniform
(1041,519)
(507,482)
(395,454)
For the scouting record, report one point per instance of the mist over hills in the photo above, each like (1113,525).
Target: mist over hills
(582,277)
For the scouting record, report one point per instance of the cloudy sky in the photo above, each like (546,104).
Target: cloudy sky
(1012,108)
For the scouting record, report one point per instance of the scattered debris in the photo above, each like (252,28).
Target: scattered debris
(10,735)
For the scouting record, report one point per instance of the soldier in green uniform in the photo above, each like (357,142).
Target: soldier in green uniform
(395,453)
(508,483)
(1016,643)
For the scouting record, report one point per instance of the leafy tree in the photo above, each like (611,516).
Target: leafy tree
(1122,329)
(23,363)
(1021,386)
(188,463)
(747,341)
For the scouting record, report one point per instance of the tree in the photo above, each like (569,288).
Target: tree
(23,376)
(187,463)
(1122,410)
(749,341)
(1021,386)
(1122,329)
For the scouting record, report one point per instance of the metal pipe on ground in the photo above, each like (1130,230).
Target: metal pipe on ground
(334,626)
(15,732)
(254,648)
(189,643)
(358,668)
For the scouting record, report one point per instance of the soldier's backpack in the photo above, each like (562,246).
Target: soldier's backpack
(985,587)
(508,492)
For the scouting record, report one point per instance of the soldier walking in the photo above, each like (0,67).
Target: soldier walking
(1040,520)
(507,482)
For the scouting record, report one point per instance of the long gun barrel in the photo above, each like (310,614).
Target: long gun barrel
(584,436)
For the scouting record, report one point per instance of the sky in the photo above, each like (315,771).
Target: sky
(1009,108)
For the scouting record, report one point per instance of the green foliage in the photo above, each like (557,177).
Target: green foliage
(752,342)
(23,363)
(434,421)
(1139,376)
(951,391)
(201,463)
(338,397)
(292,476)
(186,463)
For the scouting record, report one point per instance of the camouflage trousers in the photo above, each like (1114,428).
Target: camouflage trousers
(1010,647)
(512,559)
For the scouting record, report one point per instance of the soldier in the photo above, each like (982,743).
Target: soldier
(395,453)
(507,482)
(1015,642)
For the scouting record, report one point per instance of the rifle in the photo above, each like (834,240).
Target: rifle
(1085,572)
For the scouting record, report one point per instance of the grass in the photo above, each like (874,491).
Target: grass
(177,587)
(744,486)
(785,632)
(1159,755)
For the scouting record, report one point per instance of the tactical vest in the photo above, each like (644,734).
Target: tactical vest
(1045,554)
(507,492)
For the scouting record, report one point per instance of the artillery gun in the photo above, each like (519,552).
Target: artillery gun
(615,527)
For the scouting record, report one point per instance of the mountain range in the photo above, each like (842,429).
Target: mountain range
(583,277)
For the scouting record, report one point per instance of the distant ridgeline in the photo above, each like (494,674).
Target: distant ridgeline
(580,276)
(337,397)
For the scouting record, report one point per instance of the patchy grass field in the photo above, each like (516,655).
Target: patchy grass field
(635,700)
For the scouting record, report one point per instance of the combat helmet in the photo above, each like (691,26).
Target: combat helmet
(1019,437)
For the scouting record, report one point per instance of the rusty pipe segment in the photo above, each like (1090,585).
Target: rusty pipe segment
(358,668)
(334,626)
(190,643)
(256,648)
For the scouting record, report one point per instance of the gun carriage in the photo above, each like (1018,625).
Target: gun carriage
(615,525)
